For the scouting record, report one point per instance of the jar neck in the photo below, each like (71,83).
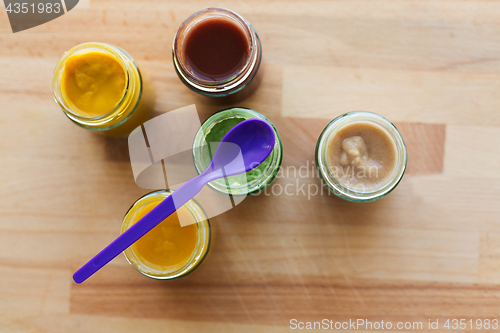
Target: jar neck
(227,85)
(202,246)
(327,175)
(241,187)
(116,115)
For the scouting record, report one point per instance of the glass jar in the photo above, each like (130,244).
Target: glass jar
(247,183)
(204,236)
(226,86)
(128,113)
(355,193)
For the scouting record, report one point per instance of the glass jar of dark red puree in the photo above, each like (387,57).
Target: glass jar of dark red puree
(216,52)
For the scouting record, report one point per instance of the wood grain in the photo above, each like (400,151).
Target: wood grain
(306,298)
(425,144)
(429,250)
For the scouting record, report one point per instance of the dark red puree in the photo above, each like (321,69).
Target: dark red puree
(215,49)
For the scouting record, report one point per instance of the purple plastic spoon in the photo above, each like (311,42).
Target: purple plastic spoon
(253,138)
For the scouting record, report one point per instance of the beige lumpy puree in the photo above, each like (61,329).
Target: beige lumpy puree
(362,156)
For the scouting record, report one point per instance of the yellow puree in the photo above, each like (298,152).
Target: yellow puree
(94,82)
(168,245)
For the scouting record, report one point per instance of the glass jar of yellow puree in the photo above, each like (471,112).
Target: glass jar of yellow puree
(99,87)
(168,251)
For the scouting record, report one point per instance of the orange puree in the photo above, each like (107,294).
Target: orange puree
(168,245)
(94,82)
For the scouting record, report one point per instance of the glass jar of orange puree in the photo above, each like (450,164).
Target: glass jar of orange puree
(168,251)
(99,87)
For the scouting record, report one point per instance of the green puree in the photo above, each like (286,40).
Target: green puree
(215,135)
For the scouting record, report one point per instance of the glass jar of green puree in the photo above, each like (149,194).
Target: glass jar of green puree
(213,130)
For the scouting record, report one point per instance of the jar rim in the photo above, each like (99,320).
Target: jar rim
(80,49)
(229,85)
(193,20)
(240,112)
(347,192)
(202,246)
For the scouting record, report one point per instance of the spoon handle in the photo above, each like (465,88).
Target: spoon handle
(166,208)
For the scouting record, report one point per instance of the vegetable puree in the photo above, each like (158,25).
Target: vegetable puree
(93,82)
(363,155)
(168,245)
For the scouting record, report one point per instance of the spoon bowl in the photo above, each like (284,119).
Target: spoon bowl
(253,139)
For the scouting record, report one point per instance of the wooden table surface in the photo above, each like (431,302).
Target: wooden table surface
(430,250)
